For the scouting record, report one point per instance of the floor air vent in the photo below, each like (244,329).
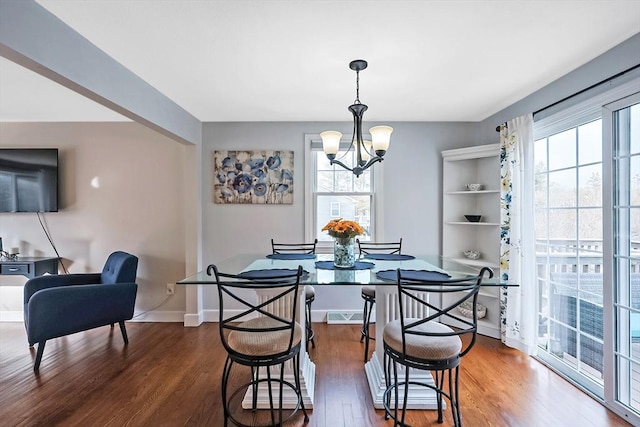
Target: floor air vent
(336,317)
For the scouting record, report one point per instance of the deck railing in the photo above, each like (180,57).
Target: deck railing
(570,291)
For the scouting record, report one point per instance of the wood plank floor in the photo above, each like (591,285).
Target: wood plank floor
(169,375)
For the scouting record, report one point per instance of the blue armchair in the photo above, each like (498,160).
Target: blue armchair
(59,305)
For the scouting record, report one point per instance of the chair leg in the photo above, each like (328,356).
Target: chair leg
(124,332)
(406,394)
(269,381)
(395,392)
(453,391)
(280,391)
(310,333)
(254,387)
(368,308)
(40,351)
(439,381)
(387,382)
(296,376)
(224,383)
(363,333)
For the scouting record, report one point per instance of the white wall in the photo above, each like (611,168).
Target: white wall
(412,195)
(139,207)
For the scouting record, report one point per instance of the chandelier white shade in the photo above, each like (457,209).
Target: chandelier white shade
(364,150)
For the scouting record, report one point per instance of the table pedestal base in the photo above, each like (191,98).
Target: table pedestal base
(419,397)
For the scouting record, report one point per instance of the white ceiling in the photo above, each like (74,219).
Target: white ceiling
(254,60)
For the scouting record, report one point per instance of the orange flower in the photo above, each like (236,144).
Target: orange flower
(343,228)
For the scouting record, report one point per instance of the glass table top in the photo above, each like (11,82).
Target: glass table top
(318,276)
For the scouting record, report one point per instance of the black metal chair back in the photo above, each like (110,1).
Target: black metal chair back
(365,247)
(293,248)
(231,288)
(427,343)
(465,289)
(260,334)
(368,293)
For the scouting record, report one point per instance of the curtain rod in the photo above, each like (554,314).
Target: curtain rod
(580,92)
(615,76)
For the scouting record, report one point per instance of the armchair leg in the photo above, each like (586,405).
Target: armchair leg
(36,365)
(124,332)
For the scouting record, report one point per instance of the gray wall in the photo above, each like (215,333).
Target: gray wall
(622,57)
(412,196)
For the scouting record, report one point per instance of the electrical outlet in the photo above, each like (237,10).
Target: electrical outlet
(171,288)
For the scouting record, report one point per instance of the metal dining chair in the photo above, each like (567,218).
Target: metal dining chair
(310,292)
(266,340)
(368,293)
(427,343)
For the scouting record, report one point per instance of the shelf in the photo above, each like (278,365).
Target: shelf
(473,192)
(477,262)
(485,327)
(486,294)
(471,223)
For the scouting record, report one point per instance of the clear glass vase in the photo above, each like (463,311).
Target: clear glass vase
(344,253)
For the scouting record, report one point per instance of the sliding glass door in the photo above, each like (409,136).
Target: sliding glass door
(621,121)
(587,230)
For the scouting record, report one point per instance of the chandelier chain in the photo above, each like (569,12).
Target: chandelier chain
(357,101)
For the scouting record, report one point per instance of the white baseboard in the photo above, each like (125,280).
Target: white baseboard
(11,316)
(191,319)
(151,316)
(159,316)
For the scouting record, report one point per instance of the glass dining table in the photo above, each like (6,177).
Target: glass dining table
(379,271)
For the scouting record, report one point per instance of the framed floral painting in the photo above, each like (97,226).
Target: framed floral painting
(253,176)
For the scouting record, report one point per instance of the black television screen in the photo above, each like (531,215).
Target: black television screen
(28,180)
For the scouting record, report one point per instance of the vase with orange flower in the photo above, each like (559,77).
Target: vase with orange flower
(343,233)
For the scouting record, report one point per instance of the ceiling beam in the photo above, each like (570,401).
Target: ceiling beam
(34,38)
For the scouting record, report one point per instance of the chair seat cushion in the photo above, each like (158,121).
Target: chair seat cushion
(263,343)
(369,291)
(309,292)
(423,347)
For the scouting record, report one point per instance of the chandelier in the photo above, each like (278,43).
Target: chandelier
(364,150)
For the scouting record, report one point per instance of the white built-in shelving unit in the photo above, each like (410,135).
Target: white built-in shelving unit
(474,165)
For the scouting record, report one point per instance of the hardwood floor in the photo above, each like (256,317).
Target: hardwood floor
(169,375)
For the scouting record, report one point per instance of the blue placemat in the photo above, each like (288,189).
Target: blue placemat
(392,275)
(389,257)
(291,256)
(270,273)
(360,265)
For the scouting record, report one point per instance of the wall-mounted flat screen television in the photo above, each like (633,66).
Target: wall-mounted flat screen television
(28,179)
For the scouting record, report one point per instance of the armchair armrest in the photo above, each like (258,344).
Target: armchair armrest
(60,311)
(55,280)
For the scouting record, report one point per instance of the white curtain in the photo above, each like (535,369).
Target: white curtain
(518,305)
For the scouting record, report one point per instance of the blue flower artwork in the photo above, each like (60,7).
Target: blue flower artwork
(253,177)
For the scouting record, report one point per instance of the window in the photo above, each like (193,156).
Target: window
(569,241)
(335,209)
(334,192)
